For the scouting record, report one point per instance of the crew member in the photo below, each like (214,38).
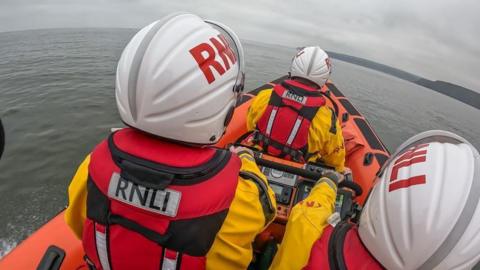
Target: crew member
(291,119)
(154,195)
(422,213)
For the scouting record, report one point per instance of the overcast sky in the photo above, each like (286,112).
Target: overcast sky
(437,39)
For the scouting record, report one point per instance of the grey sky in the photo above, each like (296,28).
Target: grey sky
(437,39)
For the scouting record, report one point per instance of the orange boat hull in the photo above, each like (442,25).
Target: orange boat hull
(364,163)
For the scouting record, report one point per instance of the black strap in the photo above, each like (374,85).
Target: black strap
(267,206)
(98,205)
(333,125)
(336,243)
(90,264)
(133,226)
(179,261)
(332,260)
(162,258)
(335,105)
(309,155)
(265,141)
(309,112)
(297,155)
(178,175)
(145,176)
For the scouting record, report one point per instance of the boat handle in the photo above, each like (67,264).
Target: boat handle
(52,259)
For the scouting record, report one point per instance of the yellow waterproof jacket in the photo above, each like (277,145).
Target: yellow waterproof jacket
(305,225)
(232,247)
(322,144)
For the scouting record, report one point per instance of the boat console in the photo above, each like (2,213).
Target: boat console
(292,182)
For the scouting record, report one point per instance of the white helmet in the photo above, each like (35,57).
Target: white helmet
(423,212)
(179,78)
(313,64)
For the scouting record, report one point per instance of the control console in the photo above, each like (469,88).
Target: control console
(289,188)
(282,183)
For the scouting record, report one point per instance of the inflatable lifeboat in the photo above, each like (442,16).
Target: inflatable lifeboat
(54,246)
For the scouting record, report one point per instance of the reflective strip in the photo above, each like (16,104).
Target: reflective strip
(294,131)
(101,242)
(270,120)
(170,264)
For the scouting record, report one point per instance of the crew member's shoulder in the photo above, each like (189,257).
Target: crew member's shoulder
(265,92)
(324,114)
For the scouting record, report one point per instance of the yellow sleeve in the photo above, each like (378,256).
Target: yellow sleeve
(327,146)
(305,225)
(76,212)
(247,217)
(257,108)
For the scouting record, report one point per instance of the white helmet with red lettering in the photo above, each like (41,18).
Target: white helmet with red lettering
(313,64)
(179,78)
(423,212)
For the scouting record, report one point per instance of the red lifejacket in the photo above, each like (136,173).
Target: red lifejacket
(282,130)
(153,204)
(340,248)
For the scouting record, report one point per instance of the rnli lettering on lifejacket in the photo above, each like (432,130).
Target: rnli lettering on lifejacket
(206,57)
(292,96)
(164,202)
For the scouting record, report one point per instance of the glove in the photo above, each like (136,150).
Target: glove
(334,176)
(356,188)
(240,150)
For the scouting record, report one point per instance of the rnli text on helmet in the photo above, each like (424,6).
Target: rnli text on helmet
(205,55)
(413,156)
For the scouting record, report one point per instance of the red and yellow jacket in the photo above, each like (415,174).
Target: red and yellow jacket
(322,144)
(306,223)
(232,246)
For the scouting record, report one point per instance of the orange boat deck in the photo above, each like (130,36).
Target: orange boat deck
(364,162)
